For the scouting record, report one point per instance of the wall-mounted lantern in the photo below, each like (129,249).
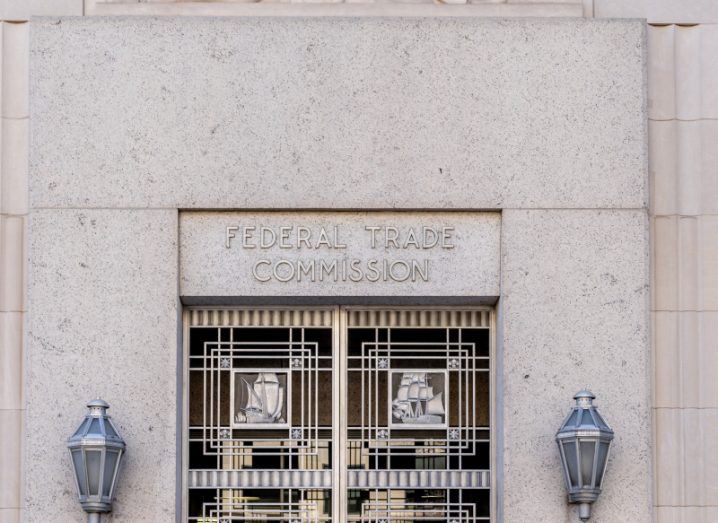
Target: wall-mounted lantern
(584,440)
(96,449)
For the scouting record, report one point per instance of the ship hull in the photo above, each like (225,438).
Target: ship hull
(425,419)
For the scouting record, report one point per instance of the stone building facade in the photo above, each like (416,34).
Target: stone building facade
(566,145)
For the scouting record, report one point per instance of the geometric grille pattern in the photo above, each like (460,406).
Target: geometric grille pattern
(393,506)
(266,438)
(260,416)
(421,422)
(452,371)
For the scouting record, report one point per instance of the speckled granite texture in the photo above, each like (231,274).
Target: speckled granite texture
(575,290)
(103,295)
(133,119)
(337,113)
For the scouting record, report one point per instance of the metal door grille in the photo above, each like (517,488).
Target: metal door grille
(330,414)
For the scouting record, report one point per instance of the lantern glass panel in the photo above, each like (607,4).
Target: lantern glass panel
(601,422)
(601,463)
(80,429)
(573,418)
(79,465)
(588,451)
(95,426)
(569,449)
(109,473)
(94,462)
(110,429)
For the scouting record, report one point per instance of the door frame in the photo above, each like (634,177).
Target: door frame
(340,378)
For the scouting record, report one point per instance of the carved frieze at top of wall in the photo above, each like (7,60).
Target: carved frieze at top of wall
(492,8)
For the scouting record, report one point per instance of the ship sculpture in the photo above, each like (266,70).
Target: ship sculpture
(265,400)
(415,401)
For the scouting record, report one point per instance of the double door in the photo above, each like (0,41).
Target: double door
(338,414)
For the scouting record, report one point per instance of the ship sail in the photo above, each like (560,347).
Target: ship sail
(435,405)
(253,400)
(265,400)
(414,391)
(426,393)
(267,387)
(278,411)
(416,401)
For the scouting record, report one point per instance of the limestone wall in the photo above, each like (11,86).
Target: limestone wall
(13,222)
(683,138)
(683,166)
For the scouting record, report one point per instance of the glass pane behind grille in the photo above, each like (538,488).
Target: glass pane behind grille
(418,423)
(266,440)
(260,446)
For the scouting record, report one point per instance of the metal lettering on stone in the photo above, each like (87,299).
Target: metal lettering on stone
(324,241)
(275,254)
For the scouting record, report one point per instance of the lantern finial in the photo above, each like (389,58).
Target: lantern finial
(98,407)
(584,398)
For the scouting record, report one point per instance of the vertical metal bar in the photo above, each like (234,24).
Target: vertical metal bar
(363,433)
(291,444)
(233,459)
(462,379)
(337,440)
(493,397)
(343,439)
(216,360)
(218,424)
(315,424)
(388,445)
(184,508)
(371,423)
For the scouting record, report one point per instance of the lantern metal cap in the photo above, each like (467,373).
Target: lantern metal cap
(98,407)
(584,398)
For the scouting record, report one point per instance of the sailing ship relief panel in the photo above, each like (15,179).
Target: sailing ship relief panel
(338,415)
